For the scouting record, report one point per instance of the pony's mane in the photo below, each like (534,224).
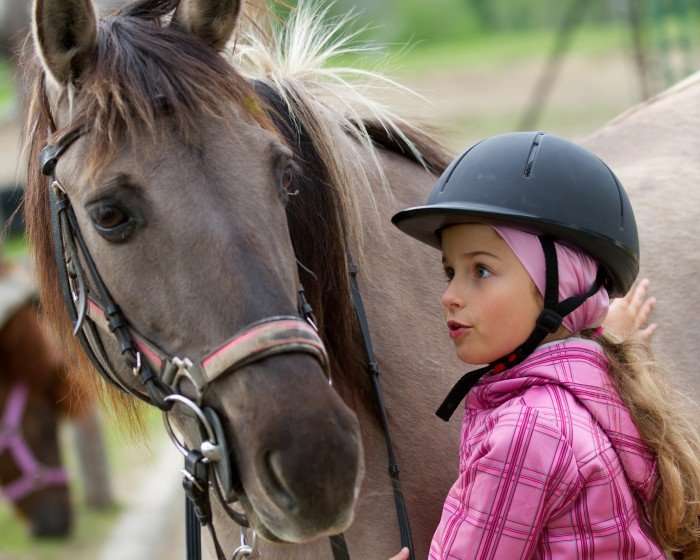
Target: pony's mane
(145,67)
(292,56)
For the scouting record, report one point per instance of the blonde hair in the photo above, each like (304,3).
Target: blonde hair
(662,416)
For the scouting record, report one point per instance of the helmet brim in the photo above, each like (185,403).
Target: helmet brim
(424,223)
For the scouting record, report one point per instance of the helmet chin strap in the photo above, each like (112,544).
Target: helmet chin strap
(548,322)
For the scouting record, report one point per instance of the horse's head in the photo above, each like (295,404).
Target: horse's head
(32,477)
(179,183)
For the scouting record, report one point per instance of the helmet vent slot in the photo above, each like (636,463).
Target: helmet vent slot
(534,150)
(619,191)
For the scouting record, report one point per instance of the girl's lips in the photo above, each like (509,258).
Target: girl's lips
(456,333)
(457,329)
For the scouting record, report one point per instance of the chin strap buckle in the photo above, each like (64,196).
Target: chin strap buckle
(549,320)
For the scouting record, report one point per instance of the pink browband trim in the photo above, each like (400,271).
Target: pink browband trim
(286,334)
(268,338)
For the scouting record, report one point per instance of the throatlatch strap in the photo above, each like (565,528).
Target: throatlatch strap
(548,322)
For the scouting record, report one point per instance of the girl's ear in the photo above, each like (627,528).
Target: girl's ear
(65,35)
(213,21)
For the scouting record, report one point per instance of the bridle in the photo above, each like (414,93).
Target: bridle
(92,310)
(33,475)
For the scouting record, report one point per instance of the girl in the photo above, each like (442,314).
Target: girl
(572,445)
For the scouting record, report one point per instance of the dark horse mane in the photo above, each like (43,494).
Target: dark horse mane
(144,67)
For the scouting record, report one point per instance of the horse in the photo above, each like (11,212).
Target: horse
(209,183)
(33,392)
(36,397)
(653,149)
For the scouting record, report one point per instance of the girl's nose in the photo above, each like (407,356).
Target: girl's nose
(450,299)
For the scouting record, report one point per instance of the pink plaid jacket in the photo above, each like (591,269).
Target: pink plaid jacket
(550,466)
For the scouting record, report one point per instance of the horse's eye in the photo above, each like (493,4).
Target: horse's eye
(111,221)
(108,217)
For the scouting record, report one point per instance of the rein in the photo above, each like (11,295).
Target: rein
(34,476)
(92,311)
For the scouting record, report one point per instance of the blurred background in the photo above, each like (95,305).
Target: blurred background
(484,66)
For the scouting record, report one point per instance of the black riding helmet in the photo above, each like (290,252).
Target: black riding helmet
(537,181)
(549,186)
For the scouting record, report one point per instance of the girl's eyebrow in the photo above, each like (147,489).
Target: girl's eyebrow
(472,254)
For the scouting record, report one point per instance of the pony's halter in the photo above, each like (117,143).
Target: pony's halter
(160,374)
(34,476)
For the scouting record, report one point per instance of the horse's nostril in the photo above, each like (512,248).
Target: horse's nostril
(278,488)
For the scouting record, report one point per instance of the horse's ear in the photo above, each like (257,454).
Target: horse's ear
(65,33)
(213,21)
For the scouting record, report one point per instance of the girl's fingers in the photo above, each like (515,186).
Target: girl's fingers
(645,311)
(646,334)
(638,294)
(403,555)
(628,316)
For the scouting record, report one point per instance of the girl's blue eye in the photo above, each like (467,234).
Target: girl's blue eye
(482,271)
(449,273)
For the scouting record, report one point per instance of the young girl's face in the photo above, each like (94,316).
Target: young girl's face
(491,303)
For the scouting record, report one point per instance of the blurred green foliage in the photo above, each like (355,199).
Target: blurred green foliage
(436,21)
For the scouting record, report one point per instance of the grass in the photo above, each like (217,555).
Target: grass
(490,49)
(91,528)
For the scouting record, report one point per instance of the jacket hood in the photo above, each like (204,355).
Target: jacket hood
(579,366)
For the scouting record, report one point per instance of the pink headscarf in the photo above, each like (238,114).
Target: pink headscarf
(577,273)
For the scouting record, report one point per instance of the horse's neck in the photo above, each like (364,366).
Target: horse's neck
(653,148)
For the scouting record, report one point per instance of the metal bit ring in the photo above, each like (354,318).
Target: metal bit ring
(211,437)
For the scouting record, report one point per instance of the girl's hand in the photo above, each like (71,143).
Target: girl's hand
(403,555)
(628,315)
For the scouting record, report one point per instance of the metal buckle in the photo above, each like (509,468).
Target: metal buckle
(177,369)
(58,187)
(136,370)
